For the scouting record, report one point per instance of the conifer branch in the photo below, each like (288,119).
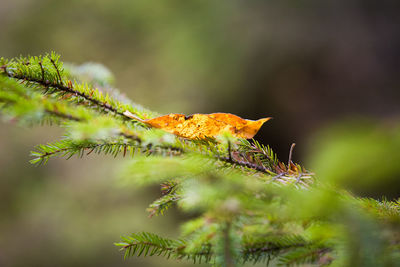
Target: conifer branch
(62,115)
(162,204)
(24,70)
(235,187)
(254,166)
(68,148)
(257,158)
(151,244)
(70,90)
(304,255)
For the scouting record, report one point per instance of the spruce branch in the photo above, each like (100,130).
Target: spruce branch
(305,255)
(62,115)
(171,194)
(21,102)
(46,74)
(292,250)
(26,71)
(151,244)
(71,90)
(250,165)
(68,148)
(234,186)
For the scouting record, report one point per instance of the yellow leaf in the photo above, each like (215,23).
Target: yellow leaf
(200,126)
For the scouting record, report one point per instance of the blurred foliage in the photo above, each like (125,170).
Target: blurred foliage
(368,151)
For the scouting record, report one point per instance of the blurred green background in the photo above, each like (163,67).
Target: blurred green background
(327,71)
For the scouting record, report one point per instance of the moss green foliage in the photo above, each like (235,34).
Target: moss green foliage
(247,205)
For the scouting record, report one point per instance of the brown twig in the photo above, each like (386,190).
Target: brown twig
(290,155)
(58,72)
(63,115)
(41,67)
(250,165)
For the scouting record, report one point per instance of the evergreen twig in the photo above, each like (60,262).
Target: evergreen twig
(237,190)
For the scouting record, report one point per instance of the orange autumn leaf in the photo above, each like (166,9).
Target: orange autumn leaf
(200,126)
